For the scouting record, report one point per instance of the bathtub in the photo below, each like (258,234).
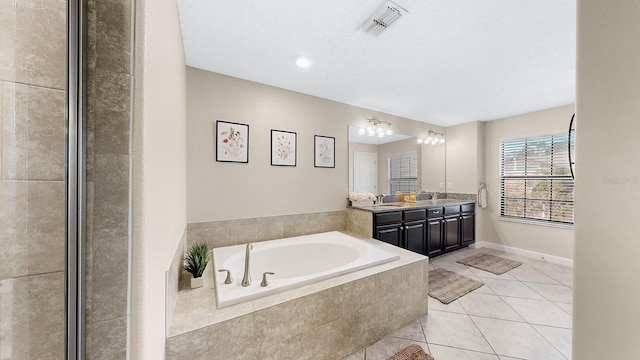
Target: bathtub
(296,261)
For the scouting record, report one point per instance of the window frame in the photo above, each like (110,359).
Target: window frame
(501,178)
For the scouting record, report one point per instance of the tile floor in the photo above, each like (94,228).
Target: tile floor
(522,314)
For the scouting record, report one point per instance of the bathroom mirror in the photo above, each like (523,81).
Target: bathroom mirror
(373,160)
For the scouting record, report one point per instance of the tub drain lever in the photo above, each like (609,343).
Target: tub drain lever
(228,280)
(264,282)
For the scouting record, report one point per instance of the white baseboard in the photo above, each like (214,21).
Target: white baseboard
(522,252)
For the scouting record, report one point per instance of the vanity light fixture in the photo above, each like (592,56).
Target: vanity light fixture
(375,127)
(432,138)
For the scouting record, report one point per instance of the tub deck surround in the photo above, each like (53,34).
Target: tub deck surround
(329,319)
(294,261)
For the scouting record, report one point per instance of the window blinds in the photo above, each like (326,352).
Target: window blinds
(403,173)
(536,182)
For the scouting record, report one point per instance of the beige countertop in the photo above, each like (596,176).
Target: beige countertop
(421,204)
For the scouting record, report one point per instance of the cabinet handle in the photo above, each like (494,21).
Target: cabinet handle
(436,212)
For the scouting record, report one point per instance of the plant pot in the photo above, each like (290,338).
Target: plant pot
(197,282)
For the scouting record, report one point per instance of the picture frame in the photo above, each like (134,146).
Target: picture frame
(324,151)
(284,151)
(232,142)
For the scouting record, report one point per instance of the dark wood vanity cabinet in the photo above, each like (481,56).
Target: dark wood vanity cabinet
(430,231)
(406,229)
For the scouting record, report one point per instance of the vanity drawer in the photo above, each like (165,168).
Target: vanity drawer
(388,217)
(455,209)
(417,214)
(434,212)
(468,208)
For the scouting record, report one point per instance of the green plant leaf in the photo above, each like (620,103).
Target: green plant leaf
(196,259)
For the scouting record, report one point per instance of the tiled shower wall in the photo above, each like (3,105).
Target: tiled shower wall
(109,78)
(32,173)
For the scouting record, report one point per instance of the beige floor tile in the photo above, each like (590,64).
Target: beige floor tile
(541,312)
(454,330)
(558,337)
(515,339)
(551,292)
(488,306)
(448,353)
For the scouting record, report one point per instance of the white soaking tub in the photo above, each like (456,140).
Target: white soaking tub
(295,261)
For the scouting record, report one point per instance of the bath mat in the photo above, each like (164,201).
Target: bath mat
(411,352)
(490,263)
(446,286)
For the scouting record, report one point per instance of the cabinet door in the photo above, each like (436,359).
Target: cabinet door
(468,228)
(451,233)
(434,237)
(415,236)
(391,234)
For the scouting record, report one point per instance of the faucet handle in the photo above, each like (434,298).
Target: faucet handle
(228,280)
(264,282)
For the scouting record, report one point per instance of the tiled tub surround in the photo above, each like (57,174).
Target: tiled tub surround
(294,262)
(329,319)
(242,231)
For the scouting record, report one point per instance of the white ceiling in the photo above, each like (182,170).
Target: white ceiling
(447,62)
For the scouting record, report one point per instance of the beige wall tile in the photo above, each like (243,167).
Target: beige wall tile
(32,38)
(33,133)
(13,225)
(111,192)
(113,28)
(46,316)
(14,326)
(32,317)
(109,340)
(109,279)
(270,228)
(112,112)
(45,226)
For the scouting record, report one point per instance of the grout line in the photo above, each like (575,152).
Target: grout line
(475,351)
(481,333)
(549,342)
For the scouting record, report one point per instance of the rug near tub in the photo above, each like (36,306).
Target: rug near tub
(447,286)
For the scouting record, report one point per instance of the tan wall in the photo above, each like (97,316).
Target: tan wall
(545,239)
(159,179)
(432,168)
(222,191)
(32,174)
(462,167)
(606,316)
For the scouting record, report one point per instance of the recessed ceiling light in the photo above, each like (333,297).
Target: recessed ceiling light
(303,62)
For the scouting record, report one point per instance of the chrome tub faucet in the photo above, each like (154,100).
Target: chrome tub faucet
(246,279)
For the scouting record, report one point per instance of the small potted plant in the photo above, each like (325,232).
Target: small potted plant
(195,261)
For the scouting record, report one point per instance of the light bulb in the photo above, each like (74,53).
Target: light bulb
(361,131)
(371,132)
(388,132)
(303,62)
(420,140)
(442,140)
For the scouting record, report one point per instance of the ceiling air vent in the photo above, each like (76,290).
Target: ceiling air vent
(382,18)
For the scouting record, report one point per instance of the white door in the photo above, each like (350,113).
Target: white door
(365,172)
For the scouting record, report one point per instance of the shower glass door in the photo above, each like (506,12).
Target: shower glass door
(33,178)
